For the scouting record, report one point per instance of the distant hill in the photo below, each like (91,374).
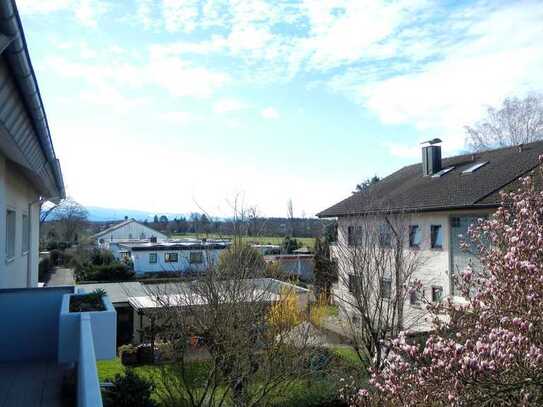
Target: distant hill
(97,214)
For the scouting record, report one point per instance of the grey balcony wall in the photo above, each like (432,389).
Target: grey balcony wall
(29,323)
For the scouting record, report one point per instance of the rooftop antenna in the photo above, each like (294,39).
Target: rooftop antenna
(432,141)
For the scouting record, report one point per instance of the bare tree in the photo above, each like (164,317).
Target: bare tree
(70,217)
(252,357)
(377,266)
(290,216)
(517,121)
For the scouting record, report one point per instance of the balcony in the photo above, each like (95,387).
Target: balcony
(39,350)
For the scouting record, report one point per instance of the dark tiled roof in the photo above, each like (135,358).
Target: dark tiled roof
(407,189)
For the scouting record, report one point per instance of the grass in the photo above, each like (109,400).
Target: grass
(331,310)
(319,390)
(306,241)
(347,354)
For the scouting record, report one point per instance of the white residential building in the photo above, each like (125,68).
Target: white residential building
(172,256)
(29,170)
(440,202)
(127,230)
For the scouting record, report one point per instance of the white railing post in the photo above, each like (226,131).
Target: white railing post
(88,386)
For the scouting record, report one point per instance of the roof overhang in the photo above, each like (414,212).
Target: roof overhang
(398,211)
(15,52)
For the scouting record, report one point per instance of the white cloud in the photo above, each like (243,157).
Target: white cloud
(180,15)
(178,117)
(228,105)
(493,59)
(403,151)
(161,68)
(180,78)
(86,12)
(111,98)
(269,113)
(42,6)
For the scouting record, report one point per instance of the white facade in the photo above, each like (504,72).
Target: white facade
(156,261)
(19,228)
(127,230)
(436,263)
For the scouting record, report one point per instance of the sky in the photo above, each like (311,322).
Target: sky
(188,105)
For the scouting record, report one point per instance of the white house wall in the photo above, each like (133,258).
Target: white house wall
(16,193)
(434,271)
(132,230)
(142,264)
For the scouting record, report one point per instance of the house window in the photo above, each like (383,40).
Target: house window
(152,258)
(142,235)
(354,235)
(385,235)
(354,284)
(10,234)
(130,237)
(437,236)
(196,258)
(26,234)
(414,236)
(455,222)
(414,297)
(170,257)
(437,294)
(386,288)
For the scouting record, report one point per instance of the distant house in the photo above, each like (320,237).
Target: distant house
(125,231)
(296,265)
(267,249)
(171,256)
(442,198)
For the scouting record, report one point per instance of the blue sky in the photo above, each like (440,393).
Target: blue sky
(178,106)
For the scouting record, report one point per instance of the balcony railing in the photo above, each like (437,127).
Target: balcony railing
(88,386)
(41,340)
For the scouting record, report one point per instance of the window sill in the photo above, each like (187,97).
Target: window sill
(25,253)
(10,260)
(437,249)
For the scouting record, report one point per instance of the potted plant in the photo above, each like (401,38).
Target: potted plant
(96,307)
(92,301)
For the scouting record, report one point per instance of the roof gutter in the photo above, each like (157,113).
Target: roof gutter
(409,210)
(18,59)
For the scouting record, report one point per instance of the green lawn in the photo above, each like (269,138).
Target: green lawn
(306,241)
(347,354)
(302,393)
(107,369)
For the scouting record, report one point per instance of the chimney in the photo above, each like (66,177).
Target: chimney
(431,157)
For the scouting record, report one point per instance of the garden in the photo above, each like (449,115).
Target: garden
(319,388)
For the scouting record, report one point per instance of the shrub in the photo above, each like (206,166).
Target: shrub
(43,268)
(55,257)
(128,354)
(110,272)
(130,390)
(51,245)
(101,257)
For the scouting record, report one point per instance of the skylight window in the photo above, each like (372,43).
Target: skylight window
(474,167)
(442,172)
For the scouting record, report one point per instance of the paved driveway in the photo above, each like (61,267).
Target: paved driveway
(61,276)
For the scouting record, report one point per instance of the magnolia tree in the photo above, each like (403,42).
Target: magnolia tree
(487,350)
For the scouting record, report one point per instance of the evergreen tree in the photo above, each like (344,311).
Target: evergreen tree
(325,269)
